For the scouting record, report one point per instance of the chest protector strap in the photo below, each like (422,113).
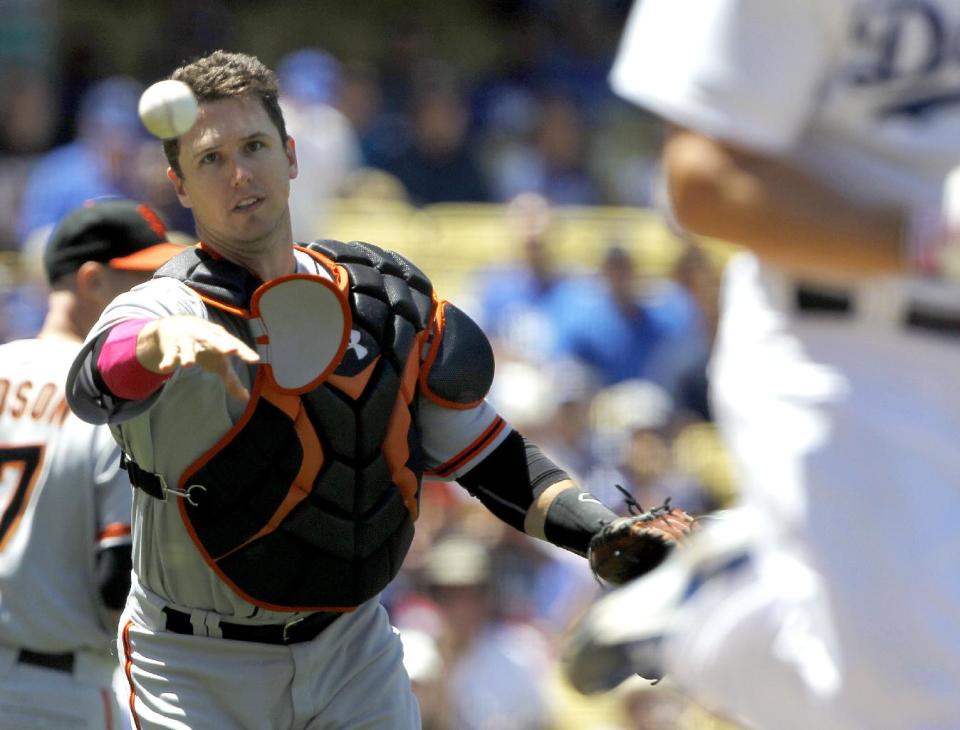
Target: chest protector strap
(308,502)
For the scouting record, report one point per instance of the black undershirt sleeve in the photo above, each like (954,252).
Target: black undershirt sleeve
(514,474)
(510,477)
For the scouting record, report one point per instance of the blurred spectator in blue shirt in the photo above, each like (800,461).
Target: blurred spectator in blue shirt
(623,326)
(513,299)
(382,134)
(687,360)
(637,422)
(327,146)
(552,161)
(437,165)
(27,128)
(100,162)
(578,53)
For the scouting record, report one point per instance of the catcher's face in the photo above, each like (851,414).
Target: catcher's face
(236,177)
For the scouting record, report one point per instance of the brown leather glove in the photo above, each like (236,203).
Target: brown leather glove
(628,547)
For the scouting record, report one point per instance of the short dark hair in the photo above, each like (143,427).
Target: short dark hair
(224,75)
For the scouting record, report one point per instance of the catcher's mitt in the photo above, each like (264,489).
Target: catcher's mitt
(628,547)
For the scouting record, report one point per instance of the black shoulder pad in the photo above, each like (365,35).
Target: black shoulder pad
(355,255)
(385,261)
(462,371)
(333,249)
(411,272)
(353,252)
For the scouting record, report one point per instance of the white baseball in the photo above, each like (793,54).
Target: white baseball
(168,109)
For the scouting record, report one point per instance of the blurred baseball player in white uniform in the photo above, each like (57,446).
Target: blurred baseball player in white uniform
(65,520)
(278,406)
(819,135)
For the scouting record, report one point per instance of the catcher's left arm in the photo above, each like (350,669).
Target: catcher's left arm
(525,489)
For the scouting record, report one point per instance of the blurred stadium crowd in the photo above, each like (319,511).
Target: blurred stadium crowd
(525,190)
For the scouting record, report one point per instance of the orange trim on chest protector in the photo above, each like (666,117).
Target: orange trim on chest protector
(395,448)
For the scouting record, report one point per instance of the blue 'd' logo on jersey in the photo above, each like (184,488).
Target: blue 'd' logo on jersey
(911,43)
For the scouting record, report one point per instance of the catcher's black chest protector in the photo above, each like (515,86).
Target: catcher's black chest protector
(309,501)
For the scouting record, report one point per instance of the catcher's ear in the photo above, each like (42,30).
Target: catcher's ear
(290,148)
(178,187)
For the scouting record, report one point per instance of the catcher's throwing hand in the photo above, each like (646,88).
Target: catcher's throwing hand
(628,547)
(185,341)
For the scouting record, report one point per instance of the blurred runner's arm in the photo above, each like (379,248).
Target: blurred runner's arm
(784,215)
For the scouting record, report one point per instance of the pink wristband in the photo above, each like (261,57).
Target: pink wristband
(122,373)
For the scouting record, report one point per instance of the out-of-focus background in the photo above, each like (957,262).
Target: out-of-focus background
(482,140)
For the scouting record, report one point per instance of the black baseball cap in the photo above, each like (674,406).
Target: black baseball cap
(123,234)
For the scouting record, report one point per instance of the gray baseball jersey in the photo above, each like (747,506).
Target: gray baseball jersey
(64,498)
(191,413)
(352,673)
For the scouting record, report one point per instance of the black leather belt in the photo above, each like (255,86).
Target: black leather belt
(57,662)
(810,300)
(292,632)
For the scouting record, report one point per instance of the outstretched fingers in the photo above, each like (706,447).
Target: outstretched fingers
(676,524)
(218,363)
(186,342)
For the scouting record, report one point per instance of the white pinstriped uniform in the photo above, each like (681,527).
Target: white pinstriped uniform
(844,431)
(63,498)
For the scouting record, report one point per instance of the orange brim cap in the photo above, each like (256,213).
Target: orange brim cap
(147,259)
